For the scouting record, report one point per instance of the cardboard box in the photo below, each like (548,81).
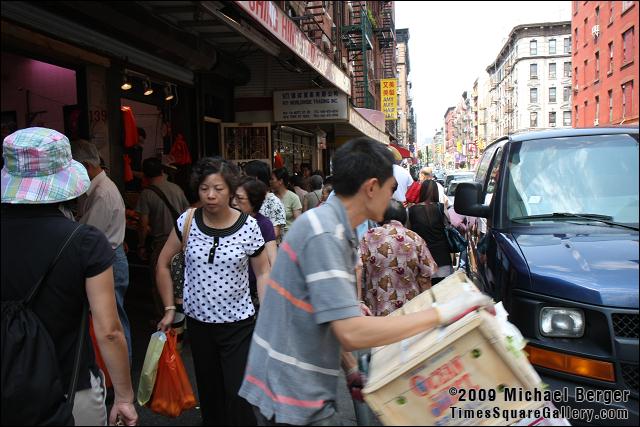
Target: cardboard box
(409,381)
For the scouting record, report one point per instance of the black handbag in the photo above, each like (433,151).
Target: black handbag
(457,242)
(177,261)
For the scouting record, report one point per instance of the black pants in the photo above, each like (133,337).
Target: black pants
(220,352)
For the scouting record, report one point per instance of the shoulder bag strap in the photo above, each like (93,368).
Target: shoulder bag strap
(174,212)
(36,288)
(186,229)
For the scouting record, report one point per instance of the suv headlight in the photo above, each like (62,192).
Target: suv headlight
(561,322)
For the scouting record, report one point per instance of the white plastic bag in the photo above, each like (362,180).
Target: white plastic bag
(150,367)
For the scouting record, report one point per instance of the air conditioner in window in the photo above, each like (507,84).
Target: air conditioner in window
(595,31)
(576,88)
(596,122)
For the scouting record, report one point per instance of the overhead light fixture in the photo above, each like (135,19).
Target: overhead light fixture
(126,84)
(148,90)
(168,92)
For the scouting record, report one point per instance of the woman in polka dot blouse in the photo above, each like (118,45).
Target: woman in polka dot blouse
(217,303)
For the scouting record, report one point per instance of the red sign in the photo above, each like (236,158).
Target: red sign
(280,25)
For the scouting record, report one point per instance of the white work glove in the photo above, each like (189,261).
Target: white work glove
(460,306)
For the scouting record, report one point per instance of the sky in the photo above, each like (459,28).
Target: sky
(451,44)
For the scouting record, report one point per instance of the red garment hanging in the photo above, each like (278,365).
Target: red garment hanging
(130,127)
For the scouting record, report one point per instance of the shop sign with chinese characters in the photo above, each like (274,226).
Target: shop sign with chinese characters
(389,94)
(309,105)
(274,20)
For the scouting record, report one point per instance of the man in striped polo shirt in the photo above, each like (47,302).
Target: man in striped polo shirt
(310,312)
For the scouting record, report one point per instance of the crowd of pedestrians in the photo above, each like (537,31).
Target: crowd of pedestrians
(284,275)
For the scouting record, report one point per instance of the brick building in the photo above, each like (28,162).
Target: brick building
(605,62)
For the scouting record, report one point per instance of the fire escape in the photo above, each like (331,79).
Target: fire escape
(311,23)
(358,39)
(386,34)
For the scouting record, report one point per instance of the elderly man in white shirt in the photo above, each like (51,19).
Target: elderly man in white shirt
(427,173)
(102,206)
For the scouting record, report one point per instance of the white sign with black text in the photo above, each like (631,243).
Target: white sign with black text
(309,105)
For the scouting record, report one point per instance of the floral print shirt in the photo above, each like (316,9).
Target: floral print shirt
(396,267)
(273,209)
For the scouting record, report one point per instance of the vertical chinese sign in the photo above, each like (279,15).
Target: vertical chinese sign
(389,101)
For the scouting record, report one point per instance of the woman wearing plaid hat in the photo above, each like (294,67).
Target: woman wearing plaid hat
(39,177)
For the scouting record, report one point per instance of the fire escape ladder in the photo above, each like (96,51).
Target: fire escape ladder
(358,37)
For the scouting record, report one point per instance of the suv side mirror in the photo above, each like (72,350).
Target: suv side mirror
(467,200)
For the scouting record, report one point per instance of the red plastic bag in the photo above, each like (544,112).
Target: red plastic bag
(413,193)
(180,151)
(96,350)
(172,393)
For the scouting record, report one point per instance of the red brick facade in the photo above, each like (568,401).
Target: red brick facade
(605,62)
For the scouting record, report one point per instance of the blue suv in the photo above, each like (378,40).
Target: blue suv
(554,235)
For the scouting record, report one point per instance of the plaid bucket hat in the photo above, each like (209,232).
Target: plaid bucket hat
(38,168)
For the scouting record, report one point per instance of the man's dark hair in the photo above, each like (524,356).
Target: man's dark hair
(142,133)
(256,191)
(357,161)
(152,167)
(316,182)
(297,180)
(258,169)
(283,175)
(213,165)
(395,211)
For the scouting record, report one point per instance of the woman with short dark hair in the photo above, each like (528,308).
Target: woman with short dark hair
(221,244)
(249,196)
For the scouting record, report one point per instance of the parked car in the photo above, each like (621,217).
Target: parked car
(554,235)
(451,189)
(457,175)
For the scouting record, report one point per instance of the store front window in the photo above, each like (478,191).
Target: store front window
(294,148)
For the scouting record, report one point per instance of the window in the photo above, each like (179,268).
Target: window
(552,47)
(576,114)
(597,65)
(627,46)
(584,75)
(552,70)
(566,117)
(626,5)
(533,47)
(610,69)
(575,39)
(584,114)
(597,111)
(567,69)
(575,75)
(533,71)
(567,45)
(533,95)
(611,11)
(552,119)
(552,94)
(627,100)
(533,119)
(597,15)
(610,93)
(585,30)
(566,94)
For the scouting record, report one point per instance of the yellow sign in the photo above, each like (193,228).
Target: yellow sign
(389,98)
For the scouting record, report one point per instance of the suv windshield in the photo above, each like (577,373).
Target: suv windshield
(596,175)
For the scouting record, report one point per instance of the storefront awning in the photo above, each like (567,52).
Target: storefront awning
(406,154)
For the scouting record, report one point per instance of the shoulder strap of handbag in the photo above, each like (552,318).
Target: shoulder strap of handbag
(83,320)
(186,229)
(444,215)
(174,212)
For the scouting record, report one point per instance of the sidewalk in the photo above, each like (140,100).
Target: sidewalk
(139,307)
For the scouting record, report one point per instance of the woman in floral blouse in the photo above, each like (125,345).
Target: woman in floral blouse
(397,265)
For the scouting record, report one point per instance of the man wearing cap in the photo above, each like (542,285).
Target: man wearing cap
(102,206)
